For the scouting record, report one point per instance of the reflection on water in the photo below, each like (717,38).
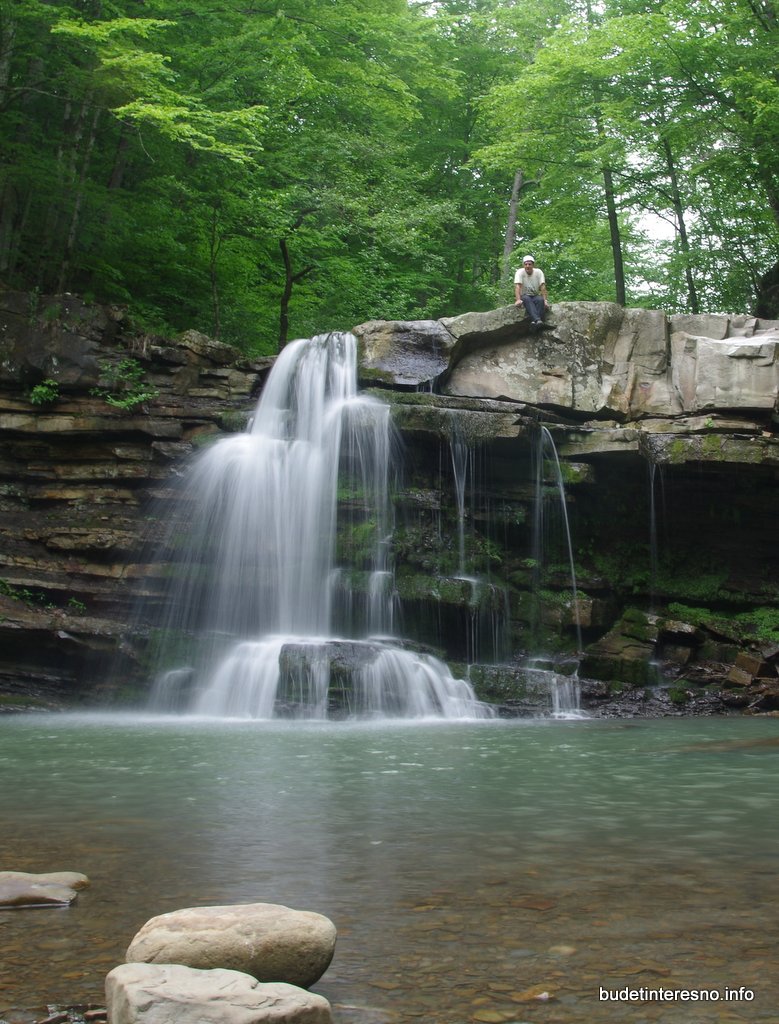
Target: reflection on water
(469,867)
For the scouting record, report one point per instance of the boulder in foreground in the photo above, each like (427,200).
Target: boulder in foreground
(267,941)
(172,994)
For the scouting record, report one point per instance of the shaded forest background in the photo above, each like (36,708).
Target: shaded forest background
(268,170)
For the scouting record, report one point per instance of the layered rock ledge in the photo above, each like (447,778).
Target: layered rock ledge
(592,359)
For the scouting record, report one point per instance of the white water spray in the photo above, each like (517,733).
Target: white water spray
(256,567)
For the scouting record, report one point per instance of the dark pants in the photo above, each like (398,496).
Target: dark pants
(534,304)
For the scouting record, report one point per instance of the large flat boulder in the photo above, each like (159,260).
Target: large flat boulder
(560,366)
(473,330)
(270,942)
(174,994)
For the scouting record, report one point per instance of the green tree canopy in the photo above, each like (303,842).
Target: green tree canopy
(273,170)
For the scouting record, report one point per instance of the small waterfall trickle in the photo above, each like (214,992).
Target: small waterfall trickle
(419,686)
(266,590)
(546,458)
(566,697)
(656,481)
(564,690)
(487,618)
(462,462)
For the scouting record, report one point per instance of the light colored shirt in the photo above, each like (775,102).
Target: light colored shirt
(531,283)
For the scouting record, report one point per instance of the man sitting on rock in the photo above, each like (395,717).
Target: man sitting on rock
(530,291)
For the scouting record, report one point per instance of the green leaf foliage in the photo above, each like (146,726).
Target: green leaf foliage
(269,171)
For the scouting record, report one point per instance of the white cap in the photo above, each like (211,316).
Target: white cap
(528,259)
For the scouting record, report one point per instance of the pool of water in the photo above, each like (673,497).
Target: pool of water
(470,867)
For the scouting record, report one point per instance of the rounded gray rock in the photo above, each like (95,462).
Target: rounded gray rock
(268,941)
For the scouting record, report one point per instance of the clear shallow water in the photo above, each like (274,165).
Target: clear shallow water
(467,866)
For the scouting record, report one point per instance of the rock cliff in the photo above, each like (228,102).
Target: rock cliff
(80,472)
(665,428)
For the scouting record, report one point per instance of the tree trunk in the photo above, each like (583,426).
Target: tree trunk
(684,244)
(611,211)
(215,244)
(510,238)
(766,172)
(616,239)
(7,39)
(286,294)
(120,160)
(290,280)
(15,197)
(78,202)
(72,130)
(8,211)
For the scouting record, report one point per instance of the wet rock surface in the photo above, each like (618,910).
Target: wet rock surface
(57,888)
(408,354)
(79,473)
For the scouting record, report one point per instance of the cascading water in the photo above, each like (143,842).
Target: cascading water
(486,626)
(546,456)
(262,601)
(462,459)
(564,690)
(655,476)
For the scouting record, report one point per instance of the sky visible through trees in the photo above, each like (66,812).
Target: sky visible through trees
(268,170)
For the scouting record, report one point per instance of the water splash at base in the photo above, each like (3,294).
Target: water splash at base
(271,606)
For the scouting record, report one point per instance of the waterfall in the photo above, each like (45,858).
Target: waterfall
(486,624)
(547,458)
(564,690)
(462,459)
(655,474)
(263,592)
(566,697)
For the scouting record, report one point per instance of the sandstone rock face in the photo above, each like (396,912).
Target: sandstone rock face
(405,353)
(554,367)
(496,325)
(174,994)
(57,888)
(732,373)
(597,358)
(592,357)
(270,942)
(78,477)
